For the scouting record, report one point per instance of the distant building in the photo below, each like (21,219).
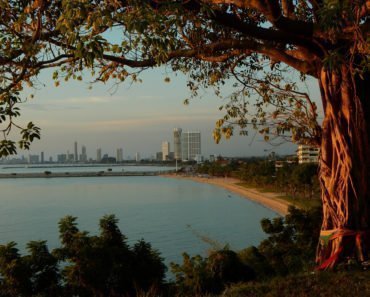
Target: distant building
(119,155)
(83,156)
(190,145)
(98,155)
(171,156)
(199,159)
(76,153)
(308,154)
(165,150)
(177,143)
(42,157)
(137,157)
(159,156)
(107,159)
(61,158)
(70,157)
(33,159)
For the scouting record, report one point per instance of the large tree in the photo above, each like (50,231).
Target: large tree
(252,43)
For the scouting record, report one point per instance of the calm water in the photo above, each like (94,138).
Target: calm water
(171,214)
(82,168)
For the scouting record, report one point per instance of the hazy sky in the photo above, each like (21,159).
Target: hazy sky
(136,117)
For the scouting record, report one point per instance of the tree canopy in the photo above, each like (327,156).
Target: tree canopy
(252,42)
(211,41)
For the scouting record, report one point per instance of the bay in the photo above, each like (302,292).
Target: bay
(174,215)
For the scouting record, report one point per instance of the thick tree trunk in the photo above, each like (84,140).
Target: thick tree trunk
(345,168)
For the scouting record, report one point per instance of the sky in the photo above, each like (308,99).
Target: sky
(136,117)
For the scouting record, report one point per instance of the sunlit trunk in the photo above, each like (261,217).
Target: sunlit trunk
(344,168)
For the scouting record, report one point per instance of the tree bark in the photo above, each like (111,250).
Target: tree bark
(344,167)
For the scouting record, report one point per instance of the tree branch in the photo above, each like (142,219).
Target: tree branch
(222,50)
(231,21)
(271,10)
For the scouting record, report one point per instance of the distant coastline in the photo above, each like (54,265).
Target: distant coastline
(269,200)
(49,174)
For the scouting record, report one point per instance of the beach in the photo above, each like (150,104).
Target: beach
(267,199)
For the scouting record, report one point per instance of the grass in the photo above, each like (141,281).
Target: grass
(324,284)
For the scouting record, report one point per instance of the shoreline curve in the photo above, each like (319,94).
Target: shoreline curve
(269,200)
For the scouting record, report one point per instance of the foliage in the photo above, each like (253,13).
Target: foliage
(289,249)
(217,168)
(258,173)
(197,275)
(251,44)
(84,265)
(104,264)
(299,181)
(36,274)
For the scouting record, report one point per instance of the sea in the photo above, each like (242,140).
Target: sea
(174,215)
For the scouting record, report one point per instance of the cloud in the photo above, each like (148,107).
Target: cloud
(88,100)
(152,121)
(128,124)
(69,103)
(48,107)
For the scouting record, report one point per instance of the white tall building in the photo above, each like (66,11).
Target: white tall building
(165,150)
(308,154)
(137,157)
(119,155)
(177,143)
(190,146)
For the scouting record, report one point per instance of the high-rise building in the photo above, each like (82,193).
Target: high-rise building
(83,156)
(42,157)
(177,143)
(165,150)
(137,157)
(98,155)
(119,155)
(190,146)
(76,153)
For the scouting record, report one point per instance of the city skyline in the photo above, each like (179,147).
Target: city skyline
(132,117)
(145,153)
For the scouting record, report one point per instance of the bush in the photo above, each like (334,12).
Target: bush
(290,246)
(102,265)
(197,275)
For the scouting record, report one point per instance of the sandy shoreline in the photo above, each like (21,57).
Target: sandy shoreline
(269,200)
